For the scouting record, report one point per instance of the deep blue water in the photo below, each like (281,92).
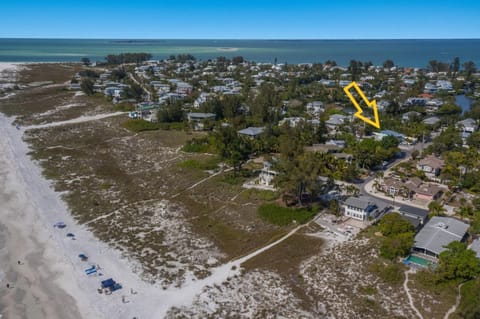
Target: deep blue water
(415,53)
(464,102)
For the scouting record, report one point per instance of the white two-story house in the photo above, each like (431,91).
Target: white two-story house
(360,208)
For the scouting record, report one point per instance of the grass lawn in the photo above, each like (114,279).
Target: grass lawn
(140,125)
(284,216)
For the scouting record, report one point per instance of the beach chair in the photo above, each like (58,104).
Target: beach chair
(60,225)
(115,287)
(91,272)
(83,257)
(90,269)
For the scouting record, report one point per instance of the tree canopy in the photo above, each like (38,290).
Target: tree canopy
(458,262)
(127,58)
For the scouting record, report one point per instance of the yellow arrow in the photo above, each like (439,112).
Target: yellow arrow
(372,104)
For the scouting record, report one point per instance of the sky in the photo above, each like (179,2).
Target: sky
(230,19)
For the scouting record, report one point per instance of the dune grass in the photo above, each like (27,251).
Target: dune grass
(284,216)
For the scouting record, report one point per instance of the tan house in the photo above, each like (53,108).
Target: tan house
(431,166)
(411,188)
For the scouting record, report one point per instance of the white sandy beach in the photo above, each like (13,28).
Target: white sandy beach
(51,281)
(51,266)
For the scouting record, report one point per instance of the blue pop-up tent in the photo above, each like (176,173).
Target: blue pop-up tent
(108,283)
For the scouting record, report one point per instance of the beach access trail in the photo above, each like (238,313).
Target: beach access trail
(51,282)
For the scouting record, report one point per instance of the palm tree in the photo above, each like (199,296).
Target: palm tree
(435,209)
(405,192)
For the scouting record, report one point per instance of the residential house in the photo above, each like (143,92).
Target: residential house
(147,111)
(315,108)
(183,88)
(362,208)
(336,120)
(431,166)
(292,121)
(418,101)
(444,85)
(252,132)
(428,192)
(475,246)
(267,174)
(437,233)
(113,91)
(199,119)
(409,116)
(431,121)
(414,215)
(411,188)
(339,143)
(379,136)
(468,125)
(200,100)
(75,86)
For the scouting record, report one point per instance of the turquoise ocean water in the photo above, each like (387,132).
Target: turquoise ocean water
(414,53)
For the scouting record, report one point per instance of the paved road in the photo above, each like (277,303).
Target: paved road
(391,202)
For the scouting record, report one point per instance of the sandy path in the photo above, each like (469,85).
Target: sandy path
(457,303)
(407,291)
(80,119)
(185,295)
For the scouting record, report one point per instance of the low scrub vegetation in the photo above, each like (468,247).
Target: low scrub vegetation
(140,125)
(208,164)
(284,216)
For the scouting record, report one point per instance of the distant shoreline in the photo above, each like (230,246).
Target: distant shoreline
(404,52)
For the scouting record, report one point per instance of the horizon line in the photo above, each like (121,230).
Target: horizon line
(232,39)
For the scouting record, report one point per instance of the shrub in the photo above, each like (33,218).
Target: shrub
(283,216)
(259,194)
(390,273)
(209,164)
(198,145)
(139,125)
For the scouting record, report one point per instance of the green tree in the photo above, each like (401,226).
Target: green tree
(469,68)
(118,74)
(87,86)
(415,154)
(474,140)
(388,64)
(458,262)
(389,142)
(85,61)
(435,209)
(355,69)
(394,224)
(396,245)
(456,66)
(448,140)
(264,105)
(232,147)
(433,64)
(133,91)
(237,60)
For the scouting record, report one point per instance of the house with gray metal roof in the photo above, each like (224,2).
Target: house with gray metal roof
(252,131)
(438,233)
(475,246)
(416,216)
(362,207)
